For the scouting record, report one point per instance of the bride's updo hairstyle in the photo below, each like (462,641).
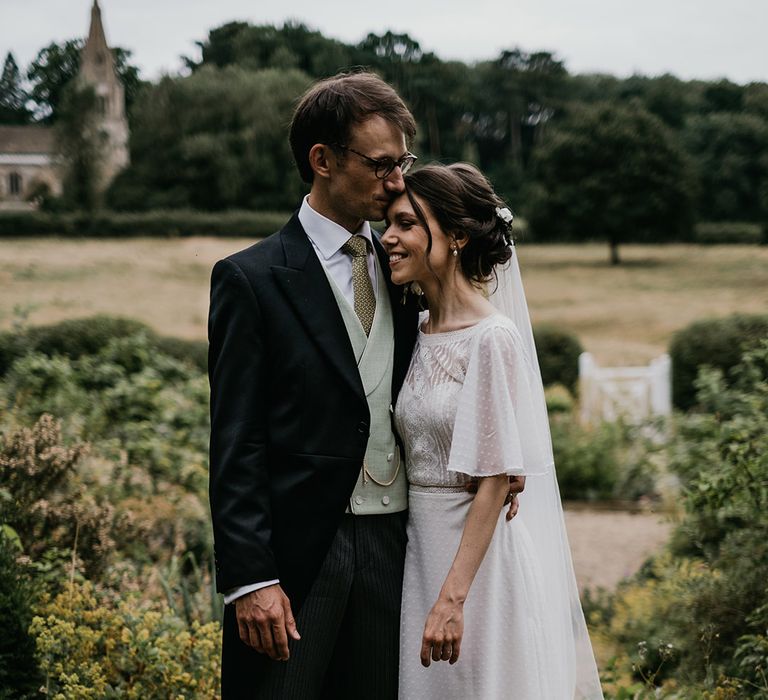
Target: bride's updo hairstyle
(464,204)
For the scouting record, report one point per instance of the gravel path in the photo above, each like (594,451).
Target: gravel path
(608,546)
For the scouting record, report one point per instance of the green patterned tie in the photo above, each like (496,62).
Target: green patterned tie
(365,300)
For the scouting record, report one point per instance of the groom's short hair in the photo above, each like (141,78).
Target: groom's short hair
(328,110)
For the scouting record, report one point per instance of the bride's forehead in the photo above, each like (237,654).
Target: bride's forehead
(399,207)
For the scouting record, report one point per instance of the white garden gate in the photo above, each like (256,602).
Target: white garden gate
(630,393)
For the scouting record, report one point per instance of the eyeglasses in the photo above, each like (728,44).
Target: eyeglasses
(383,167)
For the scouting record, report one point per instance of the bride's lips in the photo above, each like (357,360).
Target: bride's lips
(395,258)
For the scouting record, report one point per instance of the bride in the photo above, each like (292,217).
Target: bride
(497,601)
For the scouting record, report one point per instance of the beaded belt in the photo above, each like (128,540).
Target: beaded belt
(438,489)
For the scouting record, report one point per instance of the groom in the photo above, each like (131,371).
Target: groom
(309,345)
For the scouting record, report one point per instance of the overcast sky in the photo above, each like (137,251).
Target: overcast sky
(706,39)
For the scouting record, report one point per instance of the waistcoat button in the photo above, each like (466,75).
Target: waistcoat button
(385,500)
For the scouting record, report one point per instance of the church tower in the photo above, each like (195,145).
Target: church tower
(97,69)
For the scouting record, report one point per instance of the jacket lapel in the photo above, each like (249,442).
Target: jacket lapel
(306,287)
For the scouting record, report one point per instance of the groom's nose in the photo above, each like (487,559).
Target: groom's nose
(394,182)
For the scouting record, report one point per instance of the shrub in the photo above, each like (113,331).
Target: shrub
(192,351)
(167,223)
(604,461)
(150,406)
(88,336)
(90,647)
(708,595)
(559,399)
(46,503)
(558,353)
(729,232)
(19,675)
(586,459)
(717,343)
(82,336)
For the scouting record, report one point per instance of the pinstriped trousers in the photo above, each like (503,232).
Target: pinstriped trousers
(349,623)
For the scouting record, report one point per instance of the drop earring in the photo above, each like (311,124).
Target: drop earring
(454,250)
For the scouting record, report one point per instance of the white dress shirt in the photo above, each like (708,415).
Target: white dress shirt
(327,238)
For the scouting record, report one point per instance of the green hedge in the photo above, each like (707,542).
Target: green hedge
(159,223)
(87,336)
(558,353)
(717,343)
(729,232)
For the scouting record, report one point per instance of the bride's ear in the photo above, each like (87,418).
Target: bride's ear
(460,238)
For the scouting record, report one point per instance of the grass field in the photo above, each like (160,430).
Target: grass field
(624,314)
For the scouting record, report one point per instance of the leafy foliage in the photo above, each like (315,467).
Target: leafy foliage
(729,150)
(730,232)
(558,353)
(74,338)
(213,140)
(714,342)
(613,173)
(607,461)
(93,647)
(160,223)
(13,95)
(116,530)
(707,596)
(19,677)
(56,65)
(78,141)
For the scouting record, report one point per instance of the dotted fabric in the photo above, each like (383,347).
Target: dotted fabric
(467,408)
(509,637)
(365,299)
(464,405)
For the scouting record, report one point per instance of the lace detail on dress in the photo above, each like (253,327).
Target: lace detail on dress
(426,407)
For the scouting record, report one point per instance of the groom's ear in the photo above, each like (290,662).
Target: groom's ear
(319,156)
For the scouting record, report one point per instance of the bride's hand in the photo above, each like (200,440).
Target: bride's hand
(443,632)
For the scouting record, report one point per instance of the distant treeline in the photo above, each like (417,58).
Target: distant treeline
(216,138)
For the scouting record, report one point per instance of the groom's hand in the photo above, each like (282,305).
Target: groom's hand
(265,621)
(516,486)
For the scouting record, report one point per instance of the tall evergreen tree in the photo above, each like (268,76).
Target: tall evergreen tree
(13,96)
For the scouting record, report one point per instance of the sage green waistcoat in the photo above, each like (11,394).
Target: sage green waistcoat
(374,355)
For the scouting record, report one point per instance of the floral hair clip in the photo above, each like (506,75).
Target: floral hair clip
(505,215)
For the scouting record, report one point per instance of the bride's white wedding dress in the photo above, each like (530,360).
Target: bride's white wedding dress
(524,638)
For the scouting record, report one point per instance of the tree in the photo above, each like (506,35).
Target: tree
(79,144)
(611,172)
(57,65)
(13,96)
(213,140)
(521,92)
(256,47)
(730,152)
(53,68)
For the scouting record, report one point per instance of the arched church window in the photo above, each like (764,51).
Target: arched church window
(99,58)
(14,184)
(101,103)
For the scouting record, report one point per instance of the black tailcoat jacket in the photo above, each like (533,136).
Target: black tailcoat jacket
(289,418)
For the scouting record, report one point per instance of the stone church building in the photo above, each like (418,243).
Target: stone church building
(29,160)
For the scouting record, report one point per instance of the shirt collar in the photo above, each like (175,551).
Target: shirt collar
(326,235)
